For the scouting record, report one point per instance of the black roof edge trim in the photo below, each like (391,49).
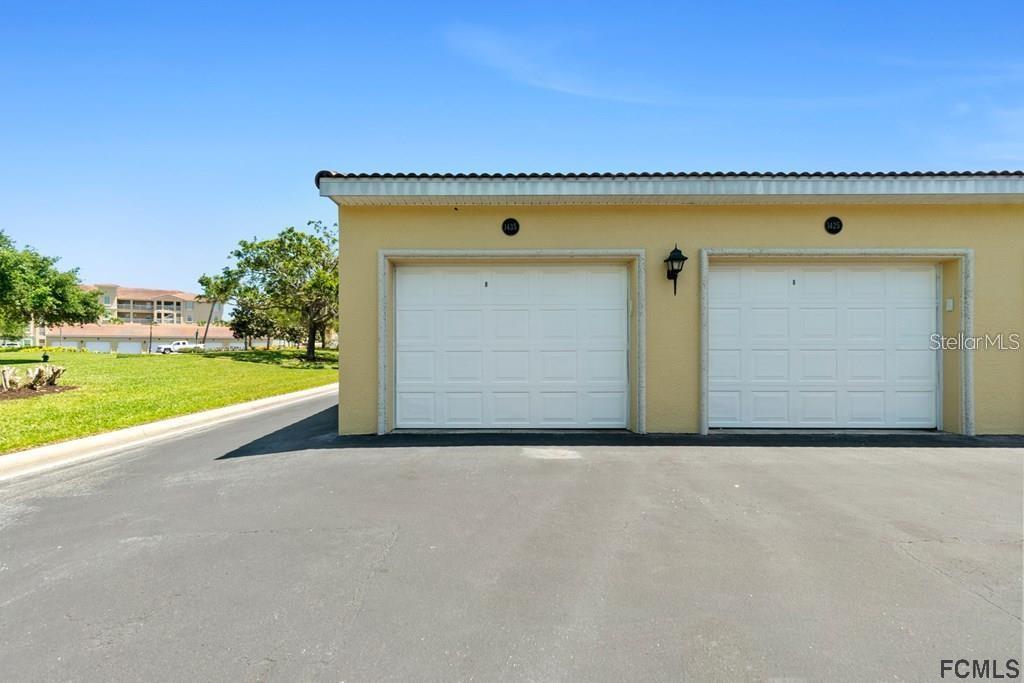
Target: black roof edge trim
(669,174)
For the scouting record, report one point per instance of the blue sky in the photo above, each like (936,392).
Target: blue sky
(141,141)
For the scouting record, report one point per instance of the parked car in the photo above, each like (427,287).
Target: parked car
(9,344)
(177,346)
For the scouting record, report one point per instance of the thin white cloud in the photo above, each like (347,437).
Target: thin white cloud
(535,62)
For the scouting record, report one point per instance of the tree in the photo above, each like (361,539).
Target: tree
(33,288)
(251,319)
(217,289)
(11,329)
(295,274)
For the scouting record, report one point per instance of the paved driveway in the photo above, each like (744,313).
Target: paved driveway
(173,562)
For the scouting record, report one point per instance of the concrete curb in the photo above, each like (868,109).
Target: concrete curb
(44,458)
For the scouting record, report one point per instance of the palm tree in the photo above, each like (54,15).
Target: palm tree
(217,289)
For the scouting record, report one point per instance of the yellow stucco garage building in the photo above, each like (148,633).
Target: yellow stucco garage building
(808,301)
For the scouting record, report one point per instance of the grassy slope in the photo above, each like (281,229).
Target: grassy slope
(121,391)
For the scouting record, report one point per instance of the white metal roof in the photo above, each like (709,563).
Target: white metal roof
(994,187)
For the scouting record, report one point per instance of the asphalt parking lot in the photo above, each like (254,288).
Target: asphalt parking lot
(268,550)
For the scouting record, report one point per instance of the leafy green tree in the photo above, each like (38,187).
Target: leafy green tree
(288,326)
(295,274)
(251,319)
(11,329)
(32,287)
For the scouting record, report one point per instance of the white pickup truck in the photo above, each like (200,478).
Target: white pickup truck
(176,346)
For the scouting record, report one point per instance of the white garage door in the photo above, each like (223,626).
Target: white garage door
(511,347)
(98,346)
(822,346)
(129,347)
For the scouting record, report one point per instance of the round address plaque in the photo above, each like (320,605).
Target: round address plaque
(510,226)
(833,225)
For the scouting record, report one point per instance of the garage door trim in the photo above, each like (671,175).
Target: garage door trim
(388,259)
(965,256)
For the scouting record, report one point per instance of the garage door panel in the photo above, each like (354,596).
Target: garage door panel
(725,364)
(558,366)
(866,284)
(769,407)
(818,365)
(605,366)
(866,365)
(464,325)
(558,323)
(765,283)
(462,288)
(511,408)
(914,325)
(915,407)
(559,408)
(822,346)
(724,407)
(607,408)
(914,284)
(508,288)
(914,365)
(463,366)
(418,287)
(768,323)
(818,324)
(605,323)
(766,364)
(817,284)
(817,408)
(464,408)
(559,287)
(416,366)
(866,324)
(725,322)
(415,408)
(415,325)
(511,324)
(866,408)
(512,347)
(725,284)
(602,287)
(511,366)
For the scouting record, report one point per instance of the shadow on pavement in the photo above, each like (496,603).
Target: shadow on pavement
(319,432)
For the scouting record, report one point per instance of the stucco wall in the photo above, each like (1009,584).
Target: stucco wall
(996,233)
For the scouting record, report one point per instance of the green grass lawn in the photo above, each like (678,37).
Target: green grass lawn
(121,391)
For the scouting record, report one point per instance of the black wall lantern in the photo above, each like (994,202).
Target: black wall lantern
(675,262)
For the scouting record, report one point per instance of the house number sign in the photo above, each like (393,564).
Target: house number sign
(510,226)
(833,225)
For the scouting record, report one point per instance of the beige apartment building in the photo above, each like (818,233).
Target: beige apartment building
(154,306)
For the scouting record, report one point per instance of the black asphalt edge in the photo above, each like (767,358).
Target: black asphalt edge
(618,438)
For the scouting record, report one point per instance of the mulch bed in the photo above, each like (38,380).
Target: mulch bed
(32,393)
